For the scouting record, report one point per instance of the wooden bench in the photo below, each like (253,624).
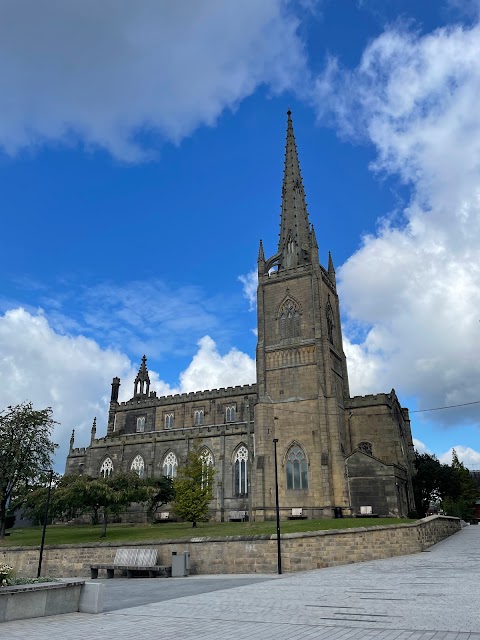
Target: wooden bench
(367,512)
(132,561)
(238,516)
(297,514)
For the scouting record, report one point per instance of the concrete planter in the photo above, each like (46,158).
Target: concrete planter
(49,599)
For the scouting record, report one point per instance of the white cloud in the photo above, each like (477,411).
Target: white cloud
(250,284)
(413,289)
(421,447)
(73,374)
(210,370)
(467,455)
(103,72)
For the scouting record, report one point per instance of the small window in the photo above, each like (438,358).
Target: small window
(141,424)
(198,417)
(138,466)
(365,447)
(106,469)
(170,465)
(169,417)
(297,469)
(230,414)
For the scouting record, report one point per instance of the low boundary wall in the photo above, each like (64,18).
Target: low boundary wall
(248,554)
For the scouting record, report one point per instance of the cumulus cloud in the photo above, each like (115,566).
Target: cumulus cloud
(467,455)
(412,290)
(210,370)
(106,73)
(72,374)
(250,284)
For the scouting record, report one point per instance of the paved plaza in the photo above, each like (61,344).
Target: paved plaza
(433,595)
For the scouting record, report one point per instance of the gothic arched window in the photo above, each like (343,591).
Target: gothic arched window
(296,468)
(138,466)
(230,414)
(240,481)
(169,417)
(365,447)
(141,424)
(330,322)
(207,461)
(198,417)
(170,465)
(106,469)
(289,320)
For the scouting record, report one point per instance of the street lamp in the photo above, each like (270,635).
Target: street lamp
(45,518)
(279,551)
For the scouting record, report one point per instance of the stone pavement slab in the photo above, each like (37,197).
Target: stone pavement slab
(432,595)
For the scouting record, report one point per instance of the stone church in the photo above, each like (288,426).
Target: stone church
(334,451)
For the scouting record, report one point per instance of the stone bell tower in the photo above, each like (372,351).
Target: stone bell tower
(301,368)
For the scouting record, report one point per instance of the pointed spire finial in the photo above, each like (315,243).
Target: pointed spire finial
(331,269)
(294,242)
(261,255)
(72,438)
(142,381)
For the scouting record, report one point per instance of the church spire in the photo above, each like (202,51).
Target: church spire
(331,269)
(295,241)
(142,381)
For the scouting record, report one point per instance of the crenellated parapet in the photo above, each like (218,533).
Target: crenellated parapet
(193,396)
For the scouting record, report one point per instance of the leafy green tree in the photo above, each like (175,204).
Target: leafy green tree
(102,497)
(33,499)
(463,491)
(162,492)
(25,450)
(193,487)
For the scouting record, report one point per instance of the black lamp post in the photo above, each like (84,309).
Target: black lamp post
(279,550)
(45,518)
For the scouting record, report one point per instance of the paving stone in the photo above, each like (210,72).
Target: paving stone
(426,596)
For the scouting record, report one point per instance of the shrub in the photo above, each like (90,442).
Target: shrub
(6,574)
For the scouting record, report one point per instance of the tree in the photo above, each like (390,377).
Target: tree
(193,487)
(162,492)
(450,484)
(101,496)
(25,450)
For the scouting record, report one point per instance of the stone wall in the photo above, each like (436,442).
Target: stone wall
(254,554)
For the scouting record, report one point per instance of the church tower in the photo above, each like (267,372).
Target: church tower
(301,367)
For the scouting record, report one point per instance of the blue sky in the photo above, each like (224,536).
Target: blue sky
(141,159)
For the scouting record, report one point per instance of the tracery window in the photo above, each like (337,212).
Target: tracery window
(330,322)
(296,468)
(366,447)
(170,464)
(198,417)
(106,469)
(241,472)
(230,414)
(141,424)
(207,461)
(169,418)
(289,320)
(138,466)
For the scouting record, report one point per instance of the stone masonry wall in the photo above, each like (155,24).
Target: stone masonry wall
(253,554)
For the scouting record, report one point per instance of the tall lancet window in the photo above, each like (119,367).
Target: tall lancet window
(330,322)
(170,465)
(241,472)
(296,468)
(289,321)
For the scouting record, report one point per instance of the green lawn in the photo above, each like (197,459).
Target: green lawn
(67,534)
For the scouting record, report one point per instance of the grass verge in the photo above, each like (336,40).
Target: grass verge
(68,534)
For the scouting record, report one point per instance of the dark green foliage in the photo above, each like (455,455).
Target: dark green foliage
(452,485)
(193,488)
(100,496)
(162,492)
(25,451)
